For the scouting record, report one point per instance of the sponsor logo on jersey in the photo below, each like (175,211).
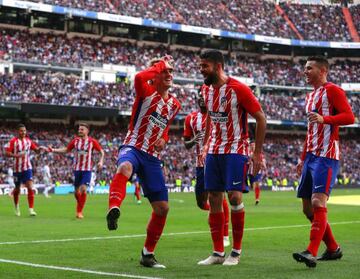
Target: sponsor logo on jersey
(158,120)
(218,117)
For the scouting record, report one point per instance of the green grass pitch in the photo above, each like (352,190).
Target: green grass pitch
(271,235)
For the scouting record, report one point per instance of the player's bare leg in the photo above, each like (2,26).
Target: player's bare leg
(117,193)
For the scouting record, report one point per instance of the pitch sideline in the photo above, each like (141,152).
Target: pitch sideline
(77,270)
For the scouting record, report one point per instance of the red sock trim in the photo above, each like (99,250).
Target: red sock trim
(154,231)
(117,191)
(216,223)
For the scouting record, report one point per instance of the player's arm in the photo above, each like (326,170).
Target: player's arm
(9,151)
(144,79)
(189,141)
(344,114)
(249,102)
(66,149)
(98,147)
(206,139)
(259,139)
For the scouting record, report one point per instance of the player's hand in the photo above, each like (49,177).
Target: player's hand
(43,148)
(49,149)
(100,165)
(159,145)
(203,155)
(20,154)
(199,138)
(256,163)
(314,117)
(169,61)
(299,168)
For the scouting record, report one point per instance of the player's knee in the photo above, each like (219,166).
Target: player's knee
(125,168)
(161,210)
(315,202)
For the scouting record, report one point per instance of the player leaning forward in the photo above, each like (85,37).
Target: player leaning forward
(228,102)
(152,113)
(327,108)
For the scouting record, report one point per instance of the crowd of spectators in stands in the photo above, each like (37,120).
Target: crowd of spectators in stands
(60,89)
(75,52)
(281,152)
(318,22)
(314,22)
(355,12)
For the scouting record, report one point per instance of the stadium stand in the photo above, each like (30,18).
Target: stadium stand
(281,152)
(312,21)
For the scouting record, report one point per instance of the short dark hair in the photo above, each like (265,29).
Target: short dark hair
(319,59)
(85,125)
(20,126)
(213,56)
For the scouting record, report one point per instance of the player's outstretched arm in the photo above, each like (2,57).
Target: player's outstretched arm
(58,150)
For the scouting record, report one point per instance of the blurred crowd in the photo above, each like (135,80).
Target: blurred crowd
(61,89)
(318,22)
(281,152)
(314,22)
(53,49)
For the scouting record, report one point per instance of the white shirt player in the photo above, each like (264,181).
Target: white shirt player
(46,175)
(10,177)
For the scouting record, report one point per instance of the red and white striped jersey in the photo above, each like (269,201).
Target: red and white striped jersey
(329,101)
(228,108)
(83,155)
(151,114)
(193,125)
(21,146)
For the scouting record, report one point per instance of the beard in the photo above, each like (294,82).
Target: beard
(211,79)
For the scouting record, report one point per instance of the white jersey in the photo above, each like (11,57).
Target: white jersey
(46,172)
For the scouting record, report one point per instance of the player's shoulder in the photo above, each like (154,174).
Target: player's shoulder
(237,86)
(333,88)
(13,139)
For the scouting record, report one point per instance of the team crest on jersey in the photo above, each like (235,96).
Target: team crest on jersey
(223,102)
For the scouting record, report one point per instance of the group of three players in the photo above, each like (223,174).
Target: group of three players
(223,132)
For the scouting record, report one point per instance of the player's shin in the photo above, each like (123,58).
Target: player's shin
(117,191)
(318,227)
(216,223)
(30,197)
(154,230)
(238,222)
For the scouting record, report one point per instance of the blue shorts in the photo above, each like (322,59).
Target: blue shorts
(200,182)
(226,172)
(256,178)
(22,177)
(148,168)
(82,178)
(318,176)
